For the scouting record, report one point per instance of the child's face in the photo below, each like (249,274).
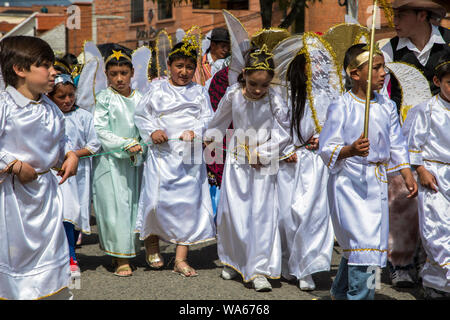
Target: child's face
(257,84)
(38,79)
(119,78)
(182,71)
(378,73)
(64,97)
(444,84)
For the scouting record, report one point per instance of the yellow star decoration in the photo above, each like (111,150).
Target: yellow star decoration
(261,57)
(117,54)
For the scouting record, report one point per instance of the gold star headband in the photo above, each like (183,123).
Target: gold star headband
(117,55)
(189,47)
(362,58)
(260,59)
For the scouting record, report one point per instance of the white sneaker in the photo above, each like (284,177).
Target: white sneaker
(307,283)
(261,284)
(401,278)
(228,273)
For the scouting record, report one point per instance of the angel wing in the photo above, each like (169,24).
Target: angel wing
(414,86)
(88,84)
(240,44)
(196,33)
(179,34)
(141,59)
(324,79)
(283,54)
(163,47)
(206,43)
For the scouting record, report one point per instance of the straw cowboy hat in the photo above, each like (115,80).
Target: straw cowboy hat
(438,10)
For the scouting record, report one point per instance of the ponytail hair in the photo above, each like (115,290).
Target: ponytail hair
(297,78)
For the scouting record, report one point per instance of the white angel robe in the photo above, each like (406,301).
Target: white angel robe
(33,246)
(175,203)
(306,229)
(357,187)
(248,238)
(427,130)
(77,190)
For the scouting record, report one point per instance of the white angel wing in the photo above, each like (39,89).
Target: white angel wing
(163,47)
(240,44)
(324,80)
(179,34)
(414,86)
(206,43)
(283,54)
(141,59)
(88,86)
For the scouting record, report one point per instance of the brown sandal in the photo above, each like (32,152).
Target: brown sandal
(186,271)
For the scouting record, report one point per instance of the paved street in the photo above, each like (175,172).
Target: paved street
(98,281)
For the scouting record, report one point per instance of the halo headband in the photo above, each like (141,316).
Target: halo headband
(362,58)
(117,55)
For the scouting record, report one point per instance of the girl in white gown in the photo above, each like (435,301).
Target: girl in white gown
(248,238)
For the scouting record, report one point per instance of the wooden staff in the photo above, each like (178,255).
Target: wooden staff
(369,80)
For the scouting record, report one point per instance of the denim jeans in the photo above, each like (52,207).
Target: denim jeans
(72,237)
(352,283)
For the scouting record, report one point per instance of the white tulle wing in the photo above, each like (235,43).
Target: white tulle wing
(240,44)
(141,59)
(163,47)
(88,84)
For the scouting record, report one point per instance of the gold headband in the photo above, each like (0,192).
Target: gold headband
(117,55)
(261,59)
(441,65)
(62,65)
(189,46)
(362,58)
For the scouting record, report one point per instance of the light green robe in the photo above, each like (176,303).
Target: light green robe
(116,178)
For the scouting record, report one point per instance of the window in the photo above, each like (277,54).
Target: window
(220,4)
(137,11)
(164,9)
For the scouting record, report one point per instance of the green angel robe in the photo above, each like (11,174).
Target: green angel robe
(117,176)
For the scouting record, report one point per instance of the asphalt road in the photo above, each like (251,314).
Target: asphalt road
(99,283)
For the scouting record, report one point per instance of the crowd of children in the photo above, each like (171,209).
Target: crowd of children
(298,173)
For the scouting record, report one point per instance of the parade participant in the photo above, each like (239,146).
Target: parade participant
(117,173)
(426,128)
(421,44)
(357,187)
(214,59)
(248,197)
(175,205)
(77,190)
(33,249)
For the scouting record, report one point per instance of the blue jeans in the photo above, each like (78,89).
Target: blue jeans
(72,237)
(352,283)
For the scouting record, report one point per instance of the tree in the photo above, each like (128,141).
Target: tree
(295,7)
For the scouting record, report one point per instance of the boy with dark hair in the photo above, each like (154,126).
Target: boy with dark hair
(357,187)
(117,175)
(33,249)
(426,128)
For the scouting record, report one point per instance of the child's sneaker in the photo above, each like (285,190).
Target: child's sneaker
(433,294)
(401,278)
(74,268)
(228,273)
(261,284)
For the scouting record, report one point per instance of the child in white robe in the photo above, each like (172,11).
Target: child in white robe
(357,187)
(77,190)
(175,204)
(33,246)
(427,130)
(248,238)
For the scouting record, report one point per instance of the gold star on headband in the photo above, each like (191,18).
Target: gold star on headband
(261,59)
(117,55)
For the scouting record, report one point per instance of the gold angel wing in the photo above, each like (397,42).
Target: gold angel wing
(162,47)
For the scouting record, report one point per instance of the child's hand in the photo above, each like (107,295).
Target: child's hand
(360,147)
(187,136)
(135,149)
(292,158)
(159,137)
(69,167)
(24,172)
(410,182)
(426,178)
(312,144)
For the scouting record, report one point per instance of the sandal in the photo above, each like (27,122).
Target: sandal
(122,268)
(186,271)
(154,259)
